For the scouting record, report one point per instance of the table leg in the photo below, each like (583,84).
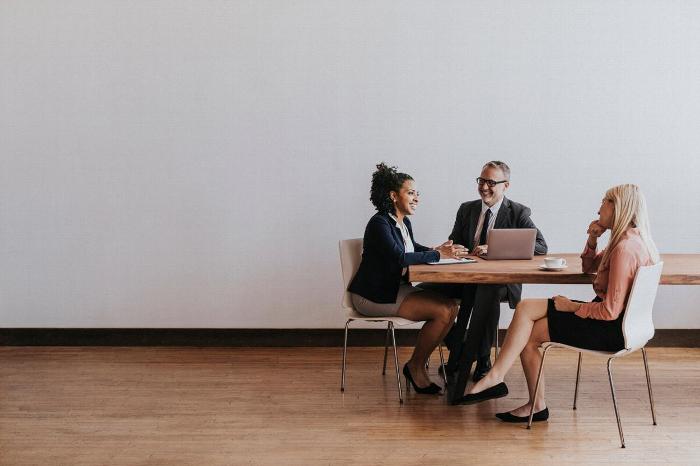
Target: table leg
(455,391)
(468,352)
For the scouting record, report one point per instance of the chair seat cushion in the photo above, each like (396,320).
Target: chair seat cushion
(398,321)
(614,354)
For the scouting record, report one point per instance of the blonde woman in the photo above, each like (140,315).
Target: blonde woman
(596,325)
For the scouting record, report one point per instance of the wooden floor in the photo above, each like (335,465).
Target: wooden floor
(216,406)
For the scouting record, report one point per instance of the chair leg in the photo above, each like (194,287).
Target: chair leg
(495,339)
(578,376)
(345,351)
(442,364)
(537,387)
(617,414)
(386,347)
(396,361)
(651,396)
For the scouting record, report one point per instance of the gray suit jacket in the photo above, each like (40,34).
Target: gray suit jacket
(510,215)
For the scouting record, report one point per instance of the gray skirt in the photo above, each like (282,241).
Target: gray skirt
(371,309)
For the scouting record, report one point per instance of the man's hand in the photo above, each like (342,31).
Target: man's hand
(480,250)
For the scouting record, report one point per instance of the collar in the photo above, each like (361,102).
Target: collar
(393,217)
(494,209)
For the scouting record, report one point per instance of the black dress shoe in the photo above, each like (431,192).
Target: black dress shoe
(536,417)
(431,389)
(497,391)
(482,368)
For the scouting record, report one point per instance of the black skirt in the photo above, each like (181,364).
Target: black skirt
(594,334)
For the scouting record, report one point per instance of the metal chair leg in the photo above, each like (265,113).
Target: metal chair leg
(537,388)
(386,347)
(345,350)
(496,342)
(396,361)
(442,364)
(617,414)
(578,376)
(651,396)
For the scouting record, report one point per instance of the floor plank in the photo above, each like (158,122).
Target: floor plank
(217,406)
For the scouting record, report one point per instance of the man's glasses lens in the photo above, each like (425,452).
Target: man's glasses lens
(481,181)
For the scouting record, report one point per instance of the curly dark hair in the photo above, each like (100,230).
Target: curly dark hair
(384,180)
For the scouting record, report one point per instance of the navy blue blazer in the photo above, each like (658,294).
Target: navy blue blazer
(384,257)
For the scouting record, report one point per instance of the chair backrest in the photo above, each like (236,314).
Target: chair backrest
(350,257)
(637,325)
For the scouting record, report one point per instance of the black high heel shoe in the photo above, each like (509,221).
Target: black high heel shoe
(431,389)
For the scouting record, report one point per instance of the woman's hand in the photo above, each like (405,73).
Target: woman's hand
(460,251)
(480,250)
(564,304)
(448,250)
(595,230)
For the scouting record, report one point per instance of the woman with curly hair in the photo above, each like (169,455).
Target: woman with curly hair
(381,286)
(596,325)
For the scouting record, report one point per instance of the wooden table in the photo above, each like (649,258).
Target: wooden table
(679,269)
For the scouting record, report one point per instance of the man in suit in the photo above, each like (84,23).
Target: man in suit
(474,220)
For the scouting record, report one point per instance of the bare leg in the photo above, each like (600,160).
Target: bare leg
(531,358)
(439,314)
(519,333)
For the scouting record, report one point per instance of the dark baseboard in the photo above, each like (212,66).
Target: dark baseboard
(685,338)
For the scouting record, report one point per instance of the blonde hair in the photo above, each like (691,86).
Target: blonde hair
(630,211)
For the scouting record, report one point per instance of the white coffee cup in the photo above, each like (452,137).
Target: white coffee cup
(554,262)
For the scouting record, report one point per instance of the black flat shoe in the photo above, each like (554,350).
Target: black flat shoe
(536,417)
(431,389)
(497,391)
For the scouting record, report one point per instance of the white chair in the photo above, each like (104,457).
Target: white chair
(637,328)
(350,257)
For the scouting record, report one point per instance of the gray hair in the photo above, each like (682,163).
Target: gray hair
(500,165)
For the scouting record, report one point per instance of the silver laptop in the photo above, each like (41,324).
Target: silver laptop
(511,243)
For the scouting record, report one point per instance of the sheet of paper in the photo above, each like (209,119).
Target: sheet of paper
(453,261)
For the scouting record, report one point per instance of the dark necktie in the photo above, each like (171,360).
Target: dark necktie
(485,227)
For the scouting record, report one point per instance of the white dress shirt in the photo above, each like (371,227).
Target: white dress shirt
(407,243)
(492,221)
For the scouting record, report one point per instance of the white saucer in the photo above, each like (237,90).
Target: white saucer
(551,269)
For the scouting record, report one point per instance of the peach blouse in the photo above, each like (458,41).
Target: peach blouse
(614,278)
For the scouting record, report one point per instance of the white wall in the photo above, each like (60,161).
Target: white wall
(193,163)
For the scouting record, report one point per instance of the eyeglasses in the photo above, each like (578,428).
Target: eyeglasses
(482,181)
